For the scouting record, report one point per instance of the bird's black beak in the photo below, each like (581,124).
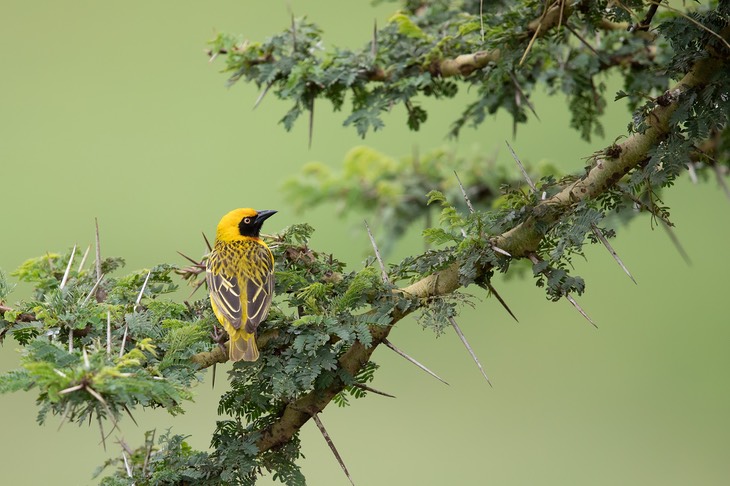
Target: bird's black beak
(263,215)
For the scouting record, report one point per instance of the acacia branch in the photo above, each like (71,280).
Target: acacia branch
(519,241)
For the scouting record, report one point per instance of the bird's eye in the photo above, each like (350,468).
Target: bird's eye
(247,220)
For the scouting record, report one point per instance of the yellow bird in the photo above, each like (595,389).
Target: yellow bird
(240,276)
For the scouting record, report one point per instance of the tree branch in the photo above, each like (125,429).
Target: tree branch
(518,241)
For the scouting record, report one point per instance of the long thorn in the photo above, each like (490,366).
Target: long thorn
(332,447)
(188,258)
(523,95)
(374,45)
(721,179)
(529,45)
(535,260)
(103,437)
(311,124)
(83,259)
(468,347)
(262,94)
(96,395)
(108,333)
(363,386)
(599,234)
(675,241)
(692,172)
(98,250)
(141,291)
(394,348)
(70,339)
(93,289)
(149,444)
(66,410)
(383,273)
(580,309)
(522,168)
(68,268)
(207,243)
(499,250)
(463,193)
(494,292)
(127,466)
(124,338)
(126,409)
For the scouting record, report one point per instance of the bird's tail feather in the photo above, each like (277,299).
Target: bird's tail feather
(243,348)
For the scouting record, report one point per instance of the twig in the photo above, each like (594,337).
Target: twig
(468,347)
(522,168)
(599,234)
(481,18)
(398,351)
(583,41)
(646,21)
(332,447)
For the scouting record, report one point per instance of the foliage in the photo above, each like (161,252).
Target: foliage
(95,347)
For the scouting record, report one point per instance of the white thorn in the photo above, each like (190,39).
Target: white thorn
(68,268)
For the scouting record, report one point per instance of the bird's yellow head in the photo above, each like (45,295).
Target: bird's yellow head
(242,222)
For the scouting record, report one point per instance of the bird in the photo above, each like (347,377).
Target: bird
(240,277)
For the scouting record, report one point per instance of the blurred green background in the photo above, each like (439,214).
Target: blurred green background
(110,110)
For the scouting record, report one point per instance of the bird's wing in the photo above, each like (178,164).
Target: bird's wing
(260,291)
(225,291)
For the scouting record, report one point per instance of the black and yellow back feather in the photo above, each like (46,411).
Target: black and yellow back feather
(247,264)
